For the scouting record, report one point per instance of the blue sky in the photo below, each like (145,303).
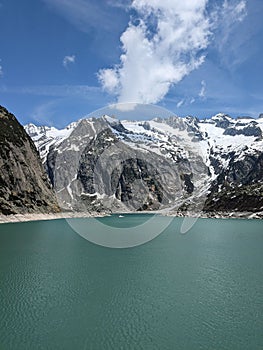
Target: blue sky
(63,59)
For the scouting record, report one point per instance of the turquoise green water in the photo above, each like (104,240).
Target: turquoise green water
(202,290)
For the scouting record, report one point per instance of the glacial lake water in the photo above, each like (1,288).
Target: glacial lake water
(201,290)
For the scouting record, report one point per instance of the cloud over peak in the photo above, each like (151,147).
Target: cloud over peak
(164,41)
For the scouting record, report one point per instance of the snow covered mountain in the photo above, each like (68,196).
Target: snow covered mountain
(45,136)
(184,164)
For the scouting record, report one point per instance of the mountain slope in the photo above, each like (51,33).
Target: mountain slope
(180,164)
(24,186)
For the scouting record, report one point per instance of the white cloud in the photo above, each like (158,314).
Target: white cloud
(150,64)
(68,59)
(203,89)
(163,44)
(180,103)
(109,79)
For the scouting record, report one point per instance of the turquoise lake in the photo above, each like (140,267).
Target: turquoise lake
(200,290)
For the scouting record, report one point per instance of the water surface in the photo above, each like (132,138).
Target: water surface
(202,290)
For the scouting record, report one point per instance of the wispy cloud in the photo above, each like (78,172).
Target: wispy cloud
(180,103)
(53,90)
(202,91)
(83,14)
(44,114)
(124,4)
(228,40)
(68,60)
(1,68)
(162,44)
(235,11)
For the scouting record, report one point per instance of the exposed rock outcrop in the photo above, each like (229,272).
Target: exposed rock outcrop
(24,185)
(239,187)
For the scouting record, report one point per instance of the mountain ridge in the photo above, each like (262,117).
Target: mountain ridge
(195,153)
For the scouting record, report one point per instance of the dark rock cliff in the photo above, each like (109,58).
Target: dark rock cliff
(239,187)
(24,186)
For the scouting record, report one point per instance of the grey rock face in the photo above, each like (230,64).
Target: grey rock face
(180,164)
(222,121)
(104,166)
(248,130)
(24,185)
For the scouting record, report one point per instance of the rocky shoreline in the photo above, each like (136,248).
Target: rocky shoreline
(220,215)
(69,215)
(51,216)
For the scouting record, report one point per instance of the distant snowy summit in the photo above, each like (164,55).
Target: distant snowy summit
(173,164)
(45,136)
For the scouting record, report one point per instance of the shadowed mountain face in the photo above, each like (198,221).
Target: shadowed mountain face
(24,185)
(178,164)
